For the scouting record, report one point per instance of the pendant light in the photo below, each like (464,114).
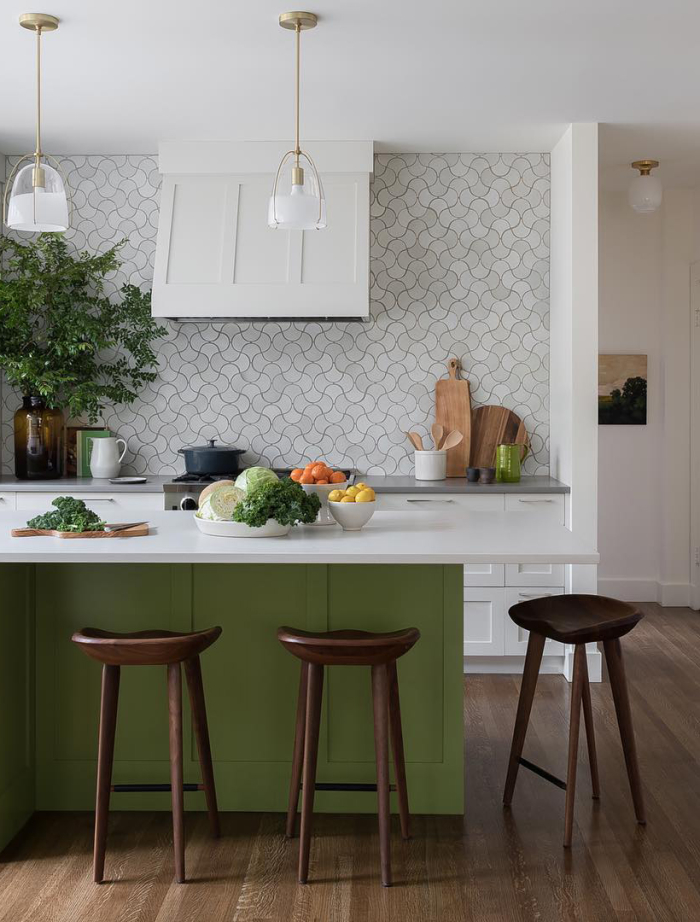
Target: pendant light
(645,191)
(35,195)
(297,201)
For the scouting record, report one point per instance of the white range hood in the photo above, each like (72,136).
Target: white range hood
(216,257)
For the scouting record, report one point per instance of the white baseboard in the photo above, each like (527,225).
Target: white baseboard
(646,590)
(513,665)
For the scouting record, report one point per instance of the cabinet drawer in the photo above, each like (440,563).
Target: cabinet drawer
(7,502)
(550,505)
(484,614)
(534,574)
(492,502)
(107,505)
(484,574)
(516,637)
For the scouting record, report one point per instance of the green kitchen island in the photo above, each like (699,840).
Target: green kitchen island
(404,569)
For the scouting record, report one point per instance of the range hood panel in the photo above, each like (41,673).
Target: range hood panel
(216,257)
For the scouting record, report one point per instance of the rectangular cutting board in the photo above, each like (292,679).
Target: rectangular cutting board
(453,410)
(137,531)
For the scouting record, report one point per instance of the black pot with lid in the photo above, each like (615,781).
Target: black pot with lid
(212,459)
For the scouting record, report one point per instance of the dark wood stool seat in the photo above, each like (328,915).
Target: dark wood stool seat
(143,648)
(380,651)
(152,648)
(577,620)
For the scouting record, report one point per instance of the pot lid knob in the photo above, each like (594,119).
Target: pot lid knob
(211,442)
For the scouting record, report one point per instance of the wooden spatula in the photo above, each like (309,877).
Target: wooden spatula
(415,440)
(452,439)
(437,433)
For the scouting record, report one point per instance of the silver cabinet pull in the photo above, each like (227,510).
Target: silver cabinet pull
(430,501)
(535,501)
(107,499)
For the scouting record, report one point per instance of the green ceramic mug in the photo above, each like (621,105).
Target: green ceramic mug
(508,461)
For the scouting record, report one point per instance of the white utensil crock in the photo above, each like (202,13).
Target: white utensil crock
(105,460)
(430,465)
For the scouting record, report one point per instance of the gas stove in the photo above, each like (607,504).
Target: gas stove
(182,493)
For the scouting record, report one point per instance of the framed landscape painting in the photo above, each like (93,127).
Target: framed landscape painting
(622,390)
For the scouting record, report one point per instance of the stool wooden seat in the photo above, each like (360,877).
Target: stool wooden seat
(578,620)
(152,648)
(348,648)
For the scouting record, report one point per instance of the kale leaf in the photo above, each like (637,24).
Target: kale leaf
(282,500)
(70,515)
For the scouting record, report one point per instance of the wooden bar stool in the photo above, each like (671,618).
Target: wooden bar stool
(348,648)
(578,620)
(152,648)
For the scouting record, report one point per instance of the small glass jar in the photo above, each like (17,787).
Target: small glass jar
(38,440)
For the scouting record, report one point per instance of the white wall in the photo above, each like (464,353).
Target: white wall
(644,471)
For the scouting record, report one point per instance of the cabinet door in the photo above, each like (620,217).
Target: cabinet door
(109,506)
(7,502)
(484,613)
(484,574)
(439,502)
(515,636)
(550,506)
(534,574)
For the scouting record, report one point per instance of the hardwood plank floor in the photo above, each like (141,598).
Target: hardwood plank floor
(495,864)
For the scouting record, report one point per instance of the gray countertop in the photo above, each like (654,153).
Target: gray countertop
(380,483)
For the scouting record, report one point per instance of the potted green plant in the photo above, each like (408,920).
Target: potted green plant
(65,344)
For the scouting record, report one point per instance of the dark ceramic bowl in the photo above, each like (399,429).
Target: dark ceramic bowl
(487,474)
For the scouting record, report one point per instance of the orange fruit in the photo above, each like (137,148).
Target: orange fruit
(310,465)
(296,474)
(306,478)
(337,477)
(319,470)
(322,480)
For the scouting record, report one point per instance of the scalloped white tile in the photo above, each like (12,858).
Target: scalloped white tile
(459,266)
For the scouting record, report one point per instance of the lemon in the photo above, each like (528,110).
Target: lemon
(352,491)
(365,496)
(335,496)
(361,486)
(348,499)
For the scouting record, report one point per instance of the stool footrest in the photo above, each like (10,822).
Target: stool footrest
(152,788)
(346,786)
(542,773)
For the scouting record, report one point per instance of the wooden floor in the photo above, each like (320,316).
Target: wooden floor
(493,865)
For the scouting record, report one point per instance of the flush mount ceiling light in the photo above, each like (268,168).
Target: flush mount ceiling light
(297,201)
(35,195)
(645,191)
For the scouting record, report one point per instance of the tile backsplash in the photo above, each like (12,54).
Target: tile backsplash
(459,266)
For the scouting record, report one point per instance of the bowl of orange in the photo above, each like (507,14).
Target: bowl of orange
(318,477)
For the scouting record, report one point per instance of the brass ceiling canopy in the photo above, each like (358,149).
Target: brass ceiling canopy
(298,20)
(644,166)
(36,21)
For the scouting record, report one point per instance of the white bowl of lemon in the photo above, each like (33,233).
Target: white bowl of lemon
(352,508)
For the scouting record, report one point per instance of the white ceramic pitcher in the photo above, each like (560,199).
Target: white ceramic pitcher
(105,460)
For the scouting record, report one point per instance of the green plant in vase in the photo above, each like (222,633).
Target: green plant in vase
(65,344)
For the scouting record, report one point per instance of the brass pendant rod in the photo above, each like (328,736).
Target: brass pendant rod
(37,152)
(297,149)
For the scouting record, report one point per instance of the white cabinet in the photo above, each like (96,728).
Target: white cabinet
(484,574)
(534,574)
(110,506)
(484,621)
(515,636)
(437,502)
(217,257)
(550,505)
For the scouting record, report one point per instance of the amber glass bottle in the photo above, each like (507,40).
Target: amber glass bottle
(38,441)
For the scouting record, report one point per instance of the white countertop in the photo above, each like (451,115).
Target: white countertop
(413,536)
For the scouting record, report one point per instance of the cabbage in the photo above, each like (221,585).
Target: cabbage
(218,506)
(253,477)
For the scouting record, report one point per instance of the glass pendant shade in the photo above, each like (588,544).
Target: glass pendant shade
(297,205)
(645,191)
(37,208)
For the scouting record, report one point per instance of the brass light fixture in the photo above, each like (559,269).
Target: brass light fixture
(36,196)
(645,191)
(297,201)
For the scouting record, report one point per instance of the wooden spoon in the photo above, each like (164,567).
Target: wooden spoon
(437,433)
(451,439)
(415,440)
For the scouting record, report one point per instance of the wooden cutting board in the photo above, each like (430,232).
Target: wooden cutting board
(492,426)
(453,410)
(136,532)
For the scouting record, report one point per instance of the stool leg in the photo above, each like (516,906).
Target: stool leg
(298,755)
(574,725)
(195,687)
(590,731)
(531,671)
(618,683)
(397,747)
(313,724)
(176,776)
(105,757)
(380,702)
